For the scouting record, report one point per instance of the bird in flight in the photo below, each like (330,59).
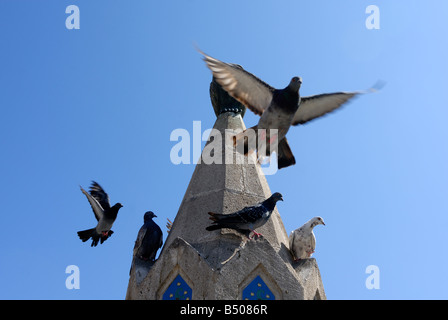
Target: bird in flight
(279,109)
(104,214)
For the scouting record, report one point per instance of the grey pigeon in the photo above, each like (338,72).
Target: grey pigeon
(247,219)
(104,214)
(278,108)
(149,239)
(302,241)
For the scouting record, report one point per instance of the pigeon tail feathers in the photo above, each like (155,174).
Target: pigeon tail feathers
(216,216)
(219,221)
(215,227)
(85,235)
(285,156)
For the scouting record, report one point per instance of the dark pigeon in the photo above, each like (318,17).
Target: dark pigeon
(149,239)
(278,108)
(247,219)
(104,214)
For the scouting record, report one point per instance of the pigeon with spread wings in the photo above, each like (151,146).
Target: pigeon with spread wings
(104,214)
(278,108)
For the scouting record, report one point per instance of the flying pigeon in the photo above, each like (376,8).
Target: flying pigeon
(278,108)
(104,213)
(247,219)
(302,241)
(149,238)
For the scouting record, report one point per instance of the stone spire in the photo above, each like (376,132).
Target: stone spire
(223,264)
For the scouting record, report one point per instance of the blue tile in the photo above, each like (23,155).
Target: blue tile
(178,290)
(257,290)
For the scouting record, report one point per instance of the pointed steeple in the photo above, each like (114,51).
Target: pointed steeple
(223,264)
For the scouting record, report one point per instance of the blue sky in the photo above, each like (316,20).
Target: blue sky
(99,103)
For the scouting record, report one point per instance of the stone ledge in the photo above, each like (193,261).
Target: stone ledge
(252,258)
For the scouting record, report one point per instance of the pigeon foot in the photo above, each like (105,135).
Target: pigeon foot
(255,234)
(309,252)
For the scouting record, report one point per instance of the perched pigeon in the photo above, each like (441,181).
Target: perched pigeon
(278,108)
(149,239)
(302,241)
(104,213)
(247,219)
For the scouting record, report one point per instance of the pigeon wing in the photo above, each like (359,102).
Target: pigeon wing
(313,241)
(140,236)
(291,243)
(245,215)
(313,107)
(100,195)
(232,218)
(160,238)
(96,207)
(299,243)
(252,214)
(241,85)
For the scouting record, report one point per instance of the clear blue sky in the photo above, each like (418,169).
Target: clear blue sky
(99,103)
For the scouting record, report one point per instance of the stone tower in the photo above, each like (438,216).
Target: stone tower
(224,264)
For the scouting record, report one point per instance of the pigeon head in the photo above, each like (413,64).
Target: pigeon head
(295,83)
(118,205)
(317,220)
(277,196)
(149,215)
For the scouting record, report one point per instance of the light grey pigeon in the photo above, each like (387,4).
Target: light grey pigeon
(278,108)
(104,214)
(149,239)
(302,241)
(247,219)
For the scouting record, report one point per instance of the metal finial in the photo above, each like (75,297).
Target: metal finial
(222,102)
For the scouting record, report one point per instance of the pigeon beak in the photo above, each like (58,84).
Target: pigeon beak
(323,223)
(155,216)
